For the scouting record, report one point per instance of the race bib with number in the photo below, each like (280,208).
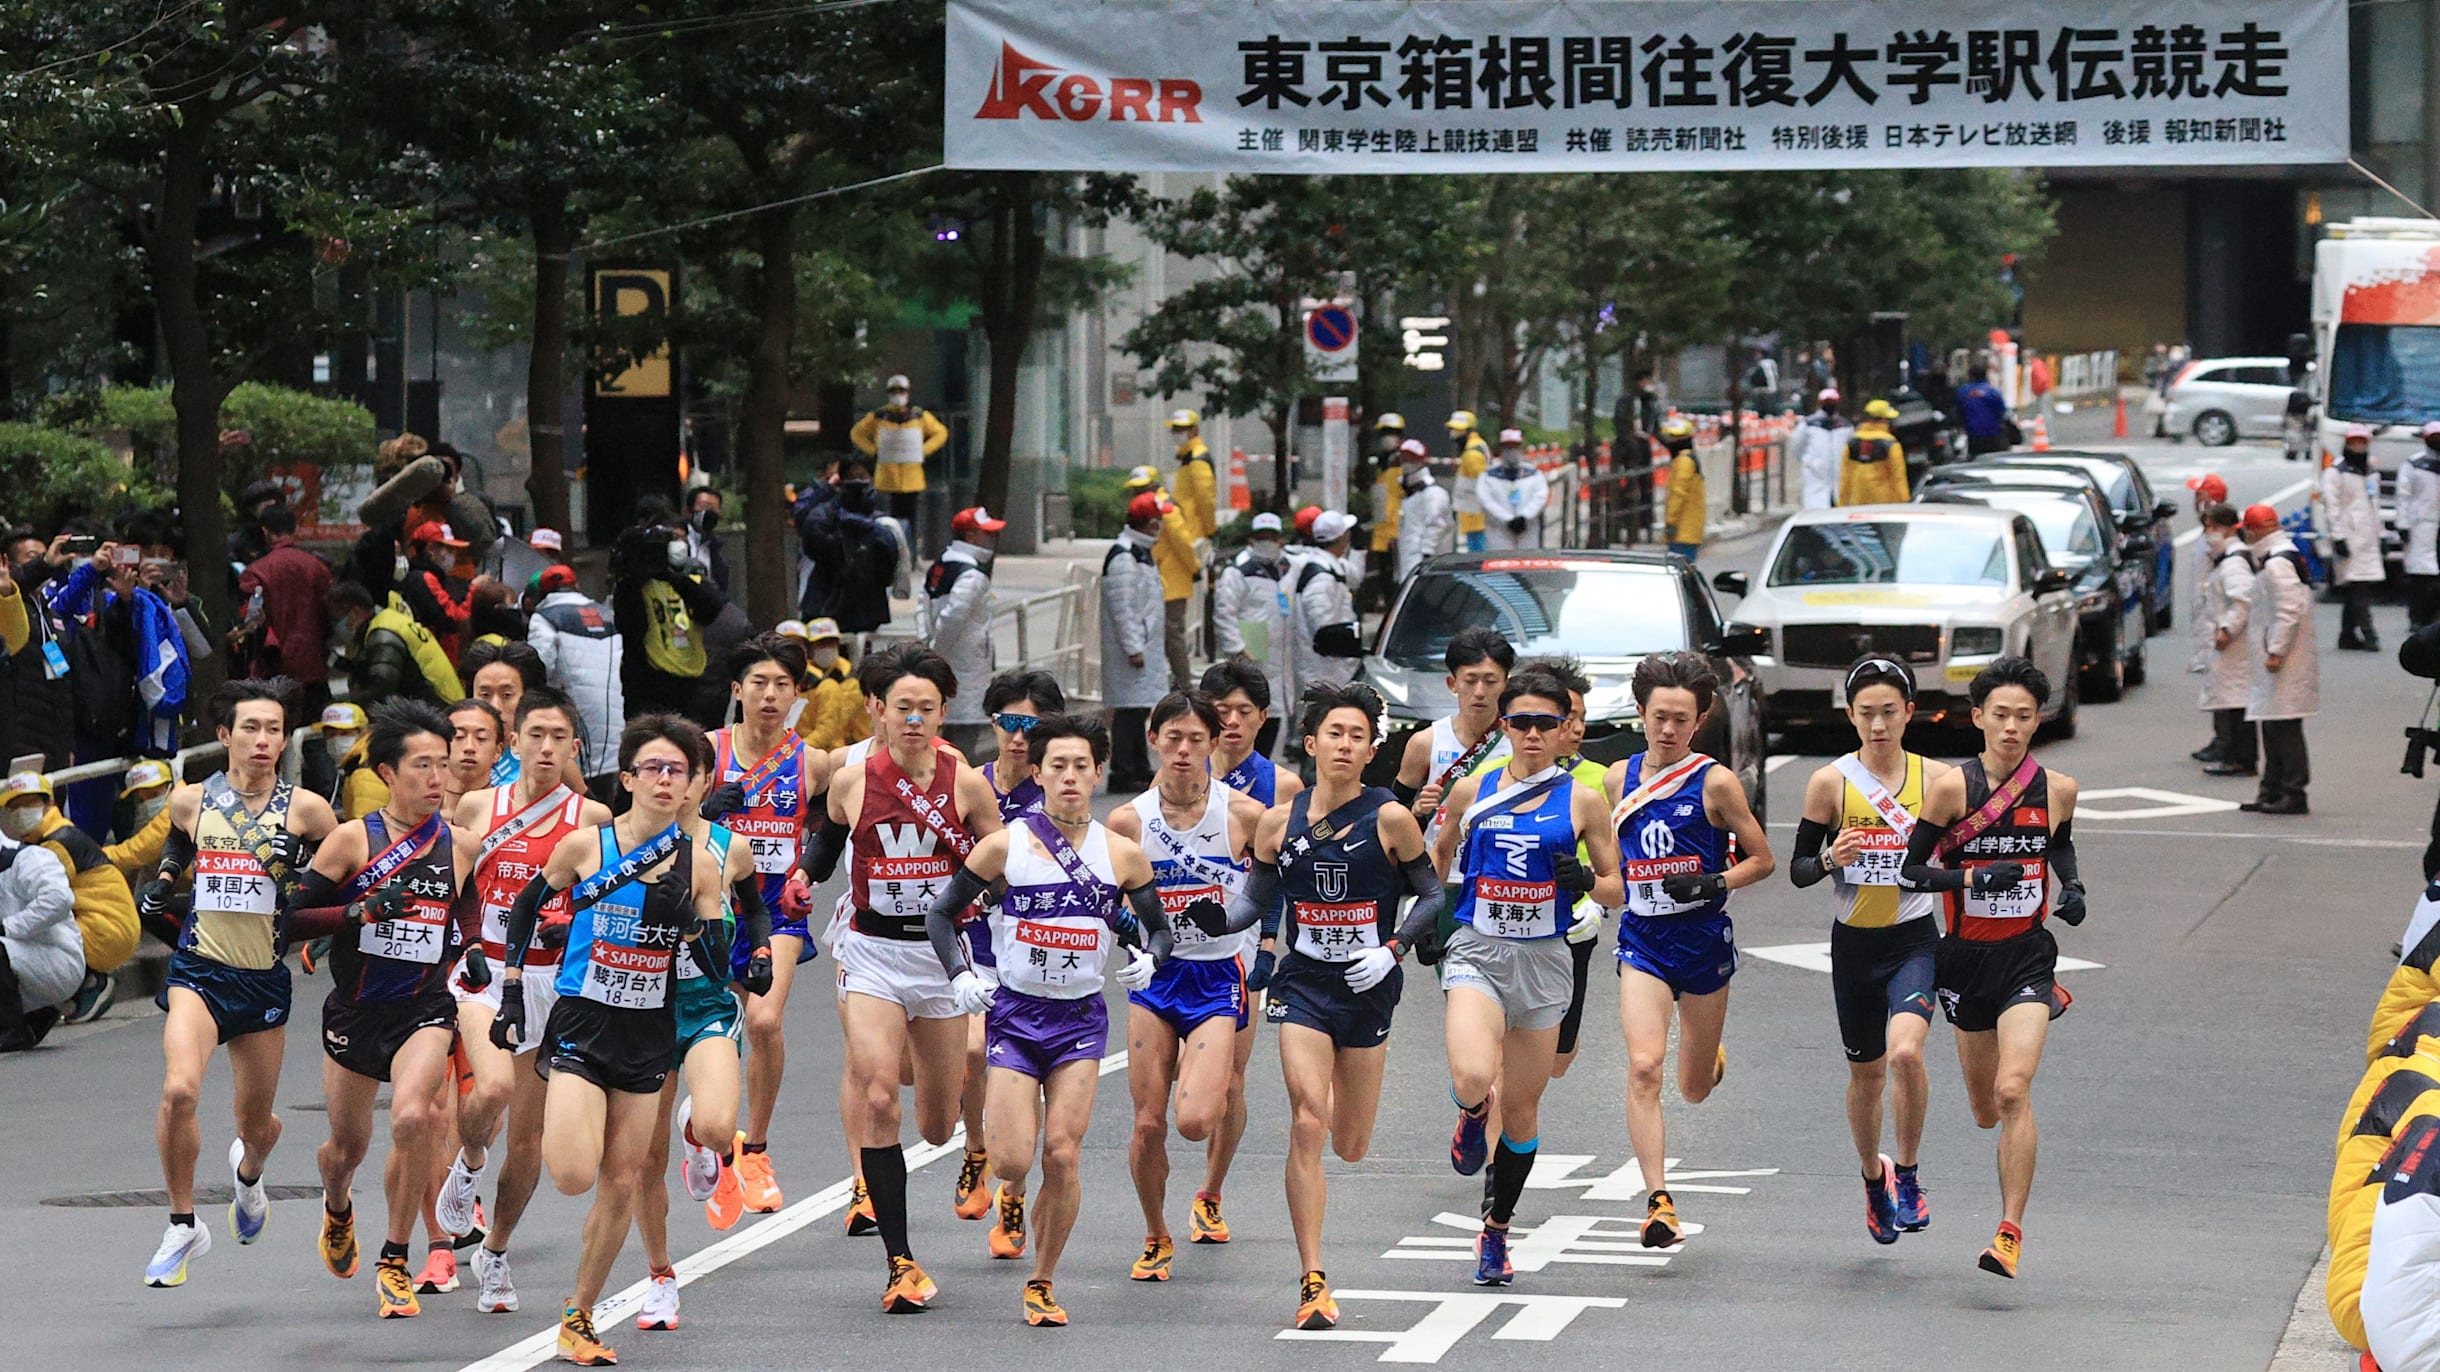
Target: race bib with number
(1516,909)
(1644,876)
(2020,902)
(233,882)
(628,964)
(1055,956)
(1175,899)
(772,841)
(1878,864)
(1336,931)
(420,934)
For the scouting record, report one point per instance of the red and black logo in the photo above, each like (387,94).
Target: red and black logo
(1025,86)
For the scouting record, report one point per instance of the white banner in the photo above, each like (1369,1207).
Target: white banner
(1424,86)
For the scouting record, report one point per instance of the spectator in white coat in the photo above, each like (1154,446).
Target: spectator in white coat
(2286,670)
(42,956)
(1427,518)
(2223,652)
(2349,490)
(956,617)
(581,653)
(1819,445)
(1329,639)
(1134,672)
(2419,521)
(1513,494)
(2209,490)
(1250,609)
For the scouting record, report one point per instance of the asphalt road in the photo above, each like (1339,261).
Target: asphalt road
(2186,1106)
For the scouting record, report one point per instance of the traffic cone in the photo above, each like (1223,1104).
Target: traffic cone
(2041,434)
(2118,425)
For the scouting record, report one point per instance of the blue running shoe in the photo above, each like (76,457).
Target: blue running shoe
(182,1244)
(1881,1204)
(1914,1208)
(1491,1265)
(1470,1144)
(251,1205)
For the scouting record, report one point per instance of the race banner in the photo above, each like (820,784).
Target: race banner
(1435,86)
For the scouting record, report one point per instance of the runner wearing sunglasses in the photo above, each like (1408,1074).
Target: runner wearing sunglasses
(1860,812)
(1675,811)
(1990,848)
(1509,853)
(1436,758)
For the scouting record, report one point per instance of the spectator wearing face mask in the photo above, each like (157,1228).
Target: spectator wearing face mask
(582,654)
(37,712)
(291,588)
(856,551)
(105,907)
(432,549)
(899,436)
(663,606)
(957,608)
(1250,606)
(390,654)
(834,714)
(143,822)
(703,537)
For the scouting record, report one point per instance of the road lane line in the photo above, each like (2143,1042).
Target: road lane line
(614,1309)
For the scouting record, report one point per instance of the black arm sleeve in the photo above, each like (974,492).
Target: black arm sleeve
(1431,900)
(754,918)
(1810,861)
(1150,920)
(177,853)
(1406,794)
(1256,902)
(523,918)
(940,922)
(315,910)
(2062,854)
(1916,872)
(822,855)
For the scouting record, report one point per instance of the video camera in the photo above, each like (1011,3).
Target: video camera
(2420,743)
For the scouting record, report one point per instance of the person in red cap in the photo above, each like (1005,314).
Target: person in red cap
(2209,490)
(2356,569)
(2286,663)
(431,550)
(2222,613)
(956,618)
(1304,522)
(2419,521)
(1134,671)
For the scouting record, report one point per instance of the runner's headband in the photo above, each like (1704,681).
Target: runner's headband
(1883,669)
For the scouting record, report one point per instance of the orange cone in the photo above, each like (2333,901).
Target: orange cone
(2118,426)
(2041,434)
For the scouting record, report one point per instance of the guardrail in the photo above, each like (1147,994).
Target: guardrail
(2087,373)
(187,764)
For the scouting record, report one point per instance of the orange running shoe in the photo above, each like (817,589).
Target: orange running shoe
(1154,1265)
(1041,1308)
(861,1220)
(1314,1307)
(339,1242)
(909,1290)
(1203,1222)
(578,1343)
(1008,1232)
(973,1198)
(2006,1247)
(1661,1222)
(727,1203)
(754,1176)
(396,1290)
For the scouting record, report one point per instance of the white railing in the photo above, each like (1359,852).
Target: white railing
(2087,373)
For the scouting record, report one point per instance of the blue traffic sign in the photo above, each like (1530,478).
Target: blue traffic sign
(1330,329)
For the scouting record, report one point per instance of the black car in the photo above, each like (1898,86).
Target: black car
(2139,512)
(1606,609)
(2109,589)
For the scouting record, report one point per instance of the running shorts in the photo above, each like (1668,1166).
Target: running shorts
(1979,981)
(616,1050)
(1571,1025)
(1876,974)
(706,1010)
(1530,979)
(541,983)
(242,1000)
(1186,993)
(1315,994)
(364,1036)
(1695,954)
(741,952)
(1036,1035)
(905,972)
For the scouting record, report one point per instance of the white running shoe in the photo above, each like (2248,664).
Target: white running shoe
(455,1206)
(660,1303)
(181,1245)
(498,1294)
(701,1166)
(252,1206)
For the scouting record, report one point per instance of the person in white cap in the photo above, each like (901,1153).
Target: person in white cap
(1513,495)
(1197,489)
(956,616)
(898,437)
(1473,458)
(834,704)
(548,541)
(1426,517)
(2349,490)
(1328,639)
(1250,609)
(1819,445)
(2419,521)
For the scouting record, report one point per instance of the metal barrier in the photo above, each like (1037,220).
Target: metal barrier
(187,764)
(2087,373)
(1061,609)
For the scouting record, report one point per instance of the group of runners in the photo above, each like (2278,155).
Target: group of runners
(547,985)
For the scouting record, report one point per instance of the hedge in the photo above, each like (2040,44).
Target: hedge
(47,475)
(281,425)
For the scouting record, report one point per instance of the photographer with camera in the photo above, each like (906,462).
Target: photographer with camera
(663,605)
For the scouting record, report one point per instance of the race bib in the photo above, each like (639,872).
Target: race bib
(1336,931)
(1644,876)
(233,883)
(2022,901)
(904,887)
(1174,901)
(772,841)
(1055,956)
(1516,909)
(628,965)
(1878,864)
(419,934)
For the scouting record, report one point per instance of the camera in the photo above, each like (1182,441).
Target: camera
(2420,743)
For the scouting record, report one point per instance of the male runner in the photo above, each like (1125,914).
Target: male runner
(1242,694)
(1339,878)
(385,889)
(245,834)
(911,812)
(1510,853)
(1185,1030)
(517,826)
(475,750)
(1584,934)
(1479,661)
(764,792)
(1999,827)
(639,888)
(709,1017)
(1070,885)
(499,675)
(1859,814)
(1674,811)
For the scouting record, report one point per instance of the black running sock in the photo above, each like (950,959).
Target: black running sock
(763,1147)
(185,1217)
(244,1180)
(347,1211)
(393,1251)
(435,1246)
(1903,1169)
(1511,1164)
(885,1180)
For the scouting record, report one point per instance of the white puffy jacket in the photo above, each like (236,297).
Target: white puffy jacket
(1319,593)
(1518,492)
(581,648)
(38,925)
(1426,521)
(1251,614)
(1133,620)
(956,605)
(2419,513)
(2348,505)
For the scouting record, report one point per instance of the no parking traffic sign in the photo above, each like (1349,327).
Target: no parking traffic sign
(1330,343)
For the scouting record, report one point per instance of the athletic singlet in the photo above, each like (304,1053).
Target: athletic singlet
(403,958)
(514,862)
(774,819)
(716,841)
(1447,753)
(1869,885)
(845,906)
(236,900)
(1051,936)
(1258,777)
(2022,835)
(907,840)
(1504,856)
(1026,796)
(1668,836)
(1191,865)
(1340,893)
(614,958)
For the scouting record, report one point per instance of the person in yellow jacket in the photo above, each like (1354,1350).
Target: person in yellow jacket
(105,906)
(898,437)
(834,715)
(145,791)
(1198,485)
(1873,469)
(1473,459)
(15,628)
(1173,551)
(1688,503)
(1388,496)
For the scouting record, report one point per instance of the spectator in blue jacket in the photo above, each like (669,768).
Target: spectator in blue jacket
(1984,413)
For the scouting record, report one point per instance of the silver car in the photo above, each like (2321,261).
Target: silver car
(1942,588)
(2222,399)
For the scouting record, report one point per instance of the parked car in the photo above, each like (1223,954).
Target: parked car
(1607,610)
(1942,587)
(2076,535)
(2222,399)
(2145,522)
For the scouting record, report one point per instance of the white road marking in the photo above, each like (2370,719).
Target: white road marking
(2164,804)
(1815,957)
(1777,761)
(615,1309)
(1554,1171)
(1454,1315)
(1609,1240)
(2287,492)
